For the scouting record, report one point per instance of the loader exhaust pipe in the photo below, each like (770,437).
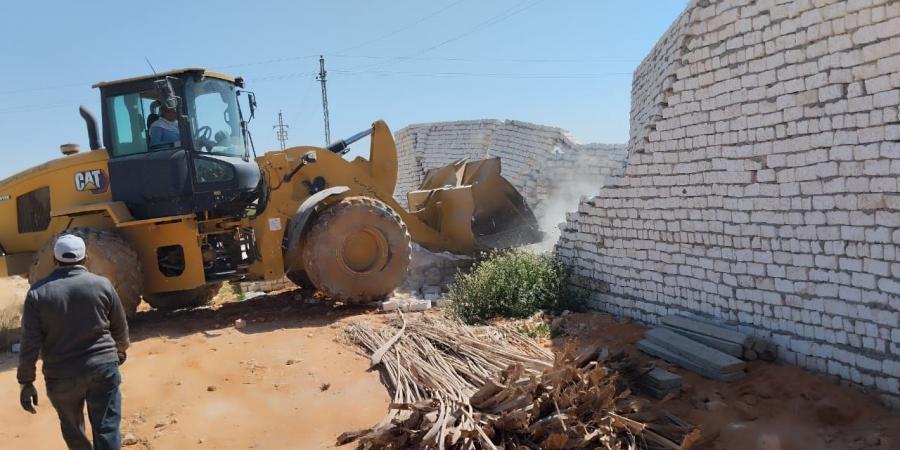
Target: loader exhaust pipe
(342,146)
(91,122)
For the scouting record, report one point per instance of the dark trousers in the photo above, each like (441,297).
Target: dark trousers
(98,386)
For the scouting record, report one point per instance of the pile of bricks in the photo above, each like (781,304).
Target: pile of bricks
(266,286)
(762,184)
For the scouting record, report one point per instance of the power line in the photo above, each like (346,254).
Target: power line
(33,108)
(266,61)
(493,20)
(46,88)
(302,106)
(503,60)
(401,29)
(276,77)
(483,74)
(487,23)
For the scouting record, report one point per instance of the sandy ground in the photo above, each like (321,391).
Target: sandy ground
(286,380)
(774,408)
(194,381)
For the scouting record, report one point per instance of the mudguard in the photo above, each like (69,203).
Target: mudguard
(301,219)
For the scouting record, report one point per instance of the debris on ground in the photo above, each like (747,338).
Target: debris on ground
(431,273)
(692,355)
(129,439)
(252,295)
(405,303)
(240,324)
(487,387)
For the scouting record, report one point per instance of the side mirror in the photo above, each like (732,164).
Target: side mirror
(251,99)
(166,92)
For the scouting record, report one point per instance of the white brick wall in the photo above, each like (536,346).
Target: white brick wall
(762,183)
(544,163)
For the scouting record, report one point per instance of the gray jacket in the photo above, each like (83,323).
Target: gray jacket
(73,319)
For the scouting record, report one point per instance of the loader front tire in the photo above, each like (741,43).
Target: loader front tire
(299,278)
(357,250)
(193,298)
(108,255)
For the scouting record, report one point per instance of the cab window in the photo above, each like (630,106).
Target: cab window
(128,116)
(213,107)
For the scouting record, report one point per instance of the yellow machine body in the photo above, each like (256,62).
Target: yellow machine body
(463,208)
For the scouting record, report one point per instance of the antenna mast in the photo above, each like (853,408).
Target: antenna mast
(321,78)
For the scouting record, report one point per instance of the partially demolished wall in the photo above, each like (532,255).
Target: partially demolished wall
(762,184)
(544,163)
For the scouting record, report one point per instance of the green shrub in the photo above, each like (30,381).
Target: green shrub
(512,283)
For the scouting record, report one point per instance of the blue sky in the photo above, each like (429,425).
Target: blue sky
(565,63)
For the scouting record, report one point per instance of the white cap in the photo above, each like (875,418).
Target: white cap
(69,249)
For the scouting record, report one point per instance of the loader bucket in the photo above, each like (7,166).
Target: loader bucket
(470,204)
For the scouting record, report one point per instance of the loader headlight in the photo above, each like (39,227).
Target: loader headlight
(212,171)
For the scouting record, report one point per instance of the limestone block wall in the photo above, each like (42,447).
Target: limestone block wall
(557,184)
(762,184)
(543,162)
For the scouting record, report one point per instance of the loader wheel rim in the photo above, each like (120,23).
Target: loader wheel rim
(365,250)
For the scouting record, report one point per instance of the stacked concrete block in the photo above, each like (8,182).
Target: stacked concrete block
(266,286)
(762,184)
(543,162)
(660,383)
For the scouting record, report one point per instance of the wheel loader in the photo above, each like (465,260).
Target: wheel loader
(169,222)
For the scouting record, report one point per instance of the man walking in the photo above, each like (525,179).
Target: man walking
(74,320)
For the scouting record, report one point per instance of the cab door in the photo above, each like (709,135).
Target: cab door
(151,182)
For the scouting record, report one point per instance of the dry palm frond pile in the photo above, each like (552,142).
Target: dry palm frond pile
(461,387)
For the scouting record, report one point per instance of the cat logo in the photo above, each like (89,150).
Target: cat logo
(93,181)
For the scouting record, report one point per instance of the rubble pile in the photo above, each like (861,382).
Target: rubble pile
(431,274)
(462,387)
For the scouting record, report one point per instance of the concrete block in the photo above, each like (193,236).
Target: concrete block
(694,351)
(659,351)
(706,328)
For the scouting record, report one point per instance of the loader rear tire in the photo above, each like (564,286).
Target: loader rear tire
(193,298)
(108,255)
(357,250)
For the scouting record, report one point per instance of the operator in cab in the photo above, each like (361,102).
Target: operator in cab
(164,131)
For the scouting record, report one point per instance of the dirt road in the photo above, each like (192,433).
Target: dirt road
(286,381)
(194,381)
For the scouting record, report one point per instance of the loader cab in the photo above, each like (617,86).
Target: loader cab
(203,164)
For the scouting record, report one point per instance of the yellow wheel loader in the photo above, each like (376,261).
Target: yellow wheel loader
(172,204)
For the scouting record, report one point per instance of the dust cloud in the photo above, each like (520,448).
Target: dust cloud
(564,198)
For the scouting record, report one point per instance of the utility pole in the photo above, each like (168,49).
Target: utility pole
(321,78)
(281,131)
